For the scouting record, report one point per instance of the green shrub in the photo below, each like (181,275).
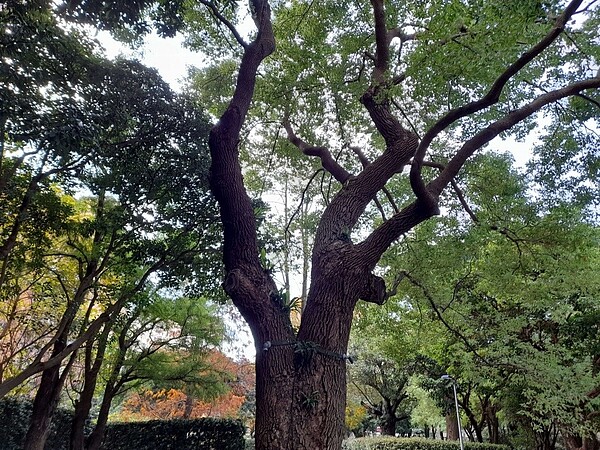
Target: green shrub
(199,434)
(391,443)
(14,422)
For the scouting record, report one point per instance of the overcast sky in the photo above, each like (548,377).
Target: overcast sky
(167,55)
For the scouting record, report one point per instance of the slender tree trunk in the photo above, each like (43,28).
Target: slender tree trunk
(475,424)
(94,440)
(189,406)
(546,438)
(51,384)
(46,400)
(84,403)
(45,403)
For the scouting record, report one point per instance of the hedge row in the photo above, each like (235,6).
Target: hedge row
(198,434)
(391,443)
(14,421)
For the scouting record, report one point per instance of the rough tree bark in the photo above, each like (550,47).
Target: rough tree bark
(451,426)
(301,378)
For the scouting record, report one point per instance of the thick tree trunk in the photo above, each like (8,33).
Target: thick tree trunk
(45,403)
(43,407)
(573,442)
(301,382)
(388,427)
(451,427)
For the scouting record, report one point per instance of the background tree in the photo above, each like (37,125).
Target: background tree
(511,293)
(390,346)
(117,131)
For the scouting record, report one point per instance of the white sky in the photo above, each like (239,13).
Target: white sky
(167,55)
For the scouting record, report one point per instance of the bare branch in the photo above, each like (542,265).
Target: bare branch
(382,237)
(365,162)
(221,18)
(440,316)
(436,186)
(328,162)
(295,213)
(587,98)
(457,190)
(463,201)
(400,34)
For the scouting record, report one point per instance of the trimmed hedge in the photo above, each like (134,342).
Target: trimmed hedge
(197,434)
(392,443)
(14,422)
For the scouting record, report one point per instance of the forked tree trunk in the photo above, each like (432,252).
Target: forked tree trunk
(44,406)
(84,403)
(301,379)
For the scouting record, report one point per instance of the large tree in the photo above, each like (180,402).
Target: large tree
(303,373)
(438,81)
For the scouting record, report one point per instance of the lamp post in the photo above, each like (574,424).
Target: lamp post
(460,439)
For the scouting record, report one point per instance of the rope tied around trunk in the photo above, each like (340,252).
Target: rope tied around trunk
(305,349)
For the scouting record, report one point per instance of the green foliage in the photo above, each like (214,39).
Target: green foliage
(198,434)
(169,345)
(127,20)
(517,291)
(390,443)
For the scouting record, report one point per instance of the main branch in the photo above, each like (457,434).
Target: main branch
(486,101)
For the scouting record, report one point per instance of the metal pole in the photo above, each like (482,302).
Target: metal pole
(462,447)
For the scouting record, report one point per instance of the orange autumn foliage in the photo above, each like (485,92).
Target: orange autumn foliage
(173,403)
